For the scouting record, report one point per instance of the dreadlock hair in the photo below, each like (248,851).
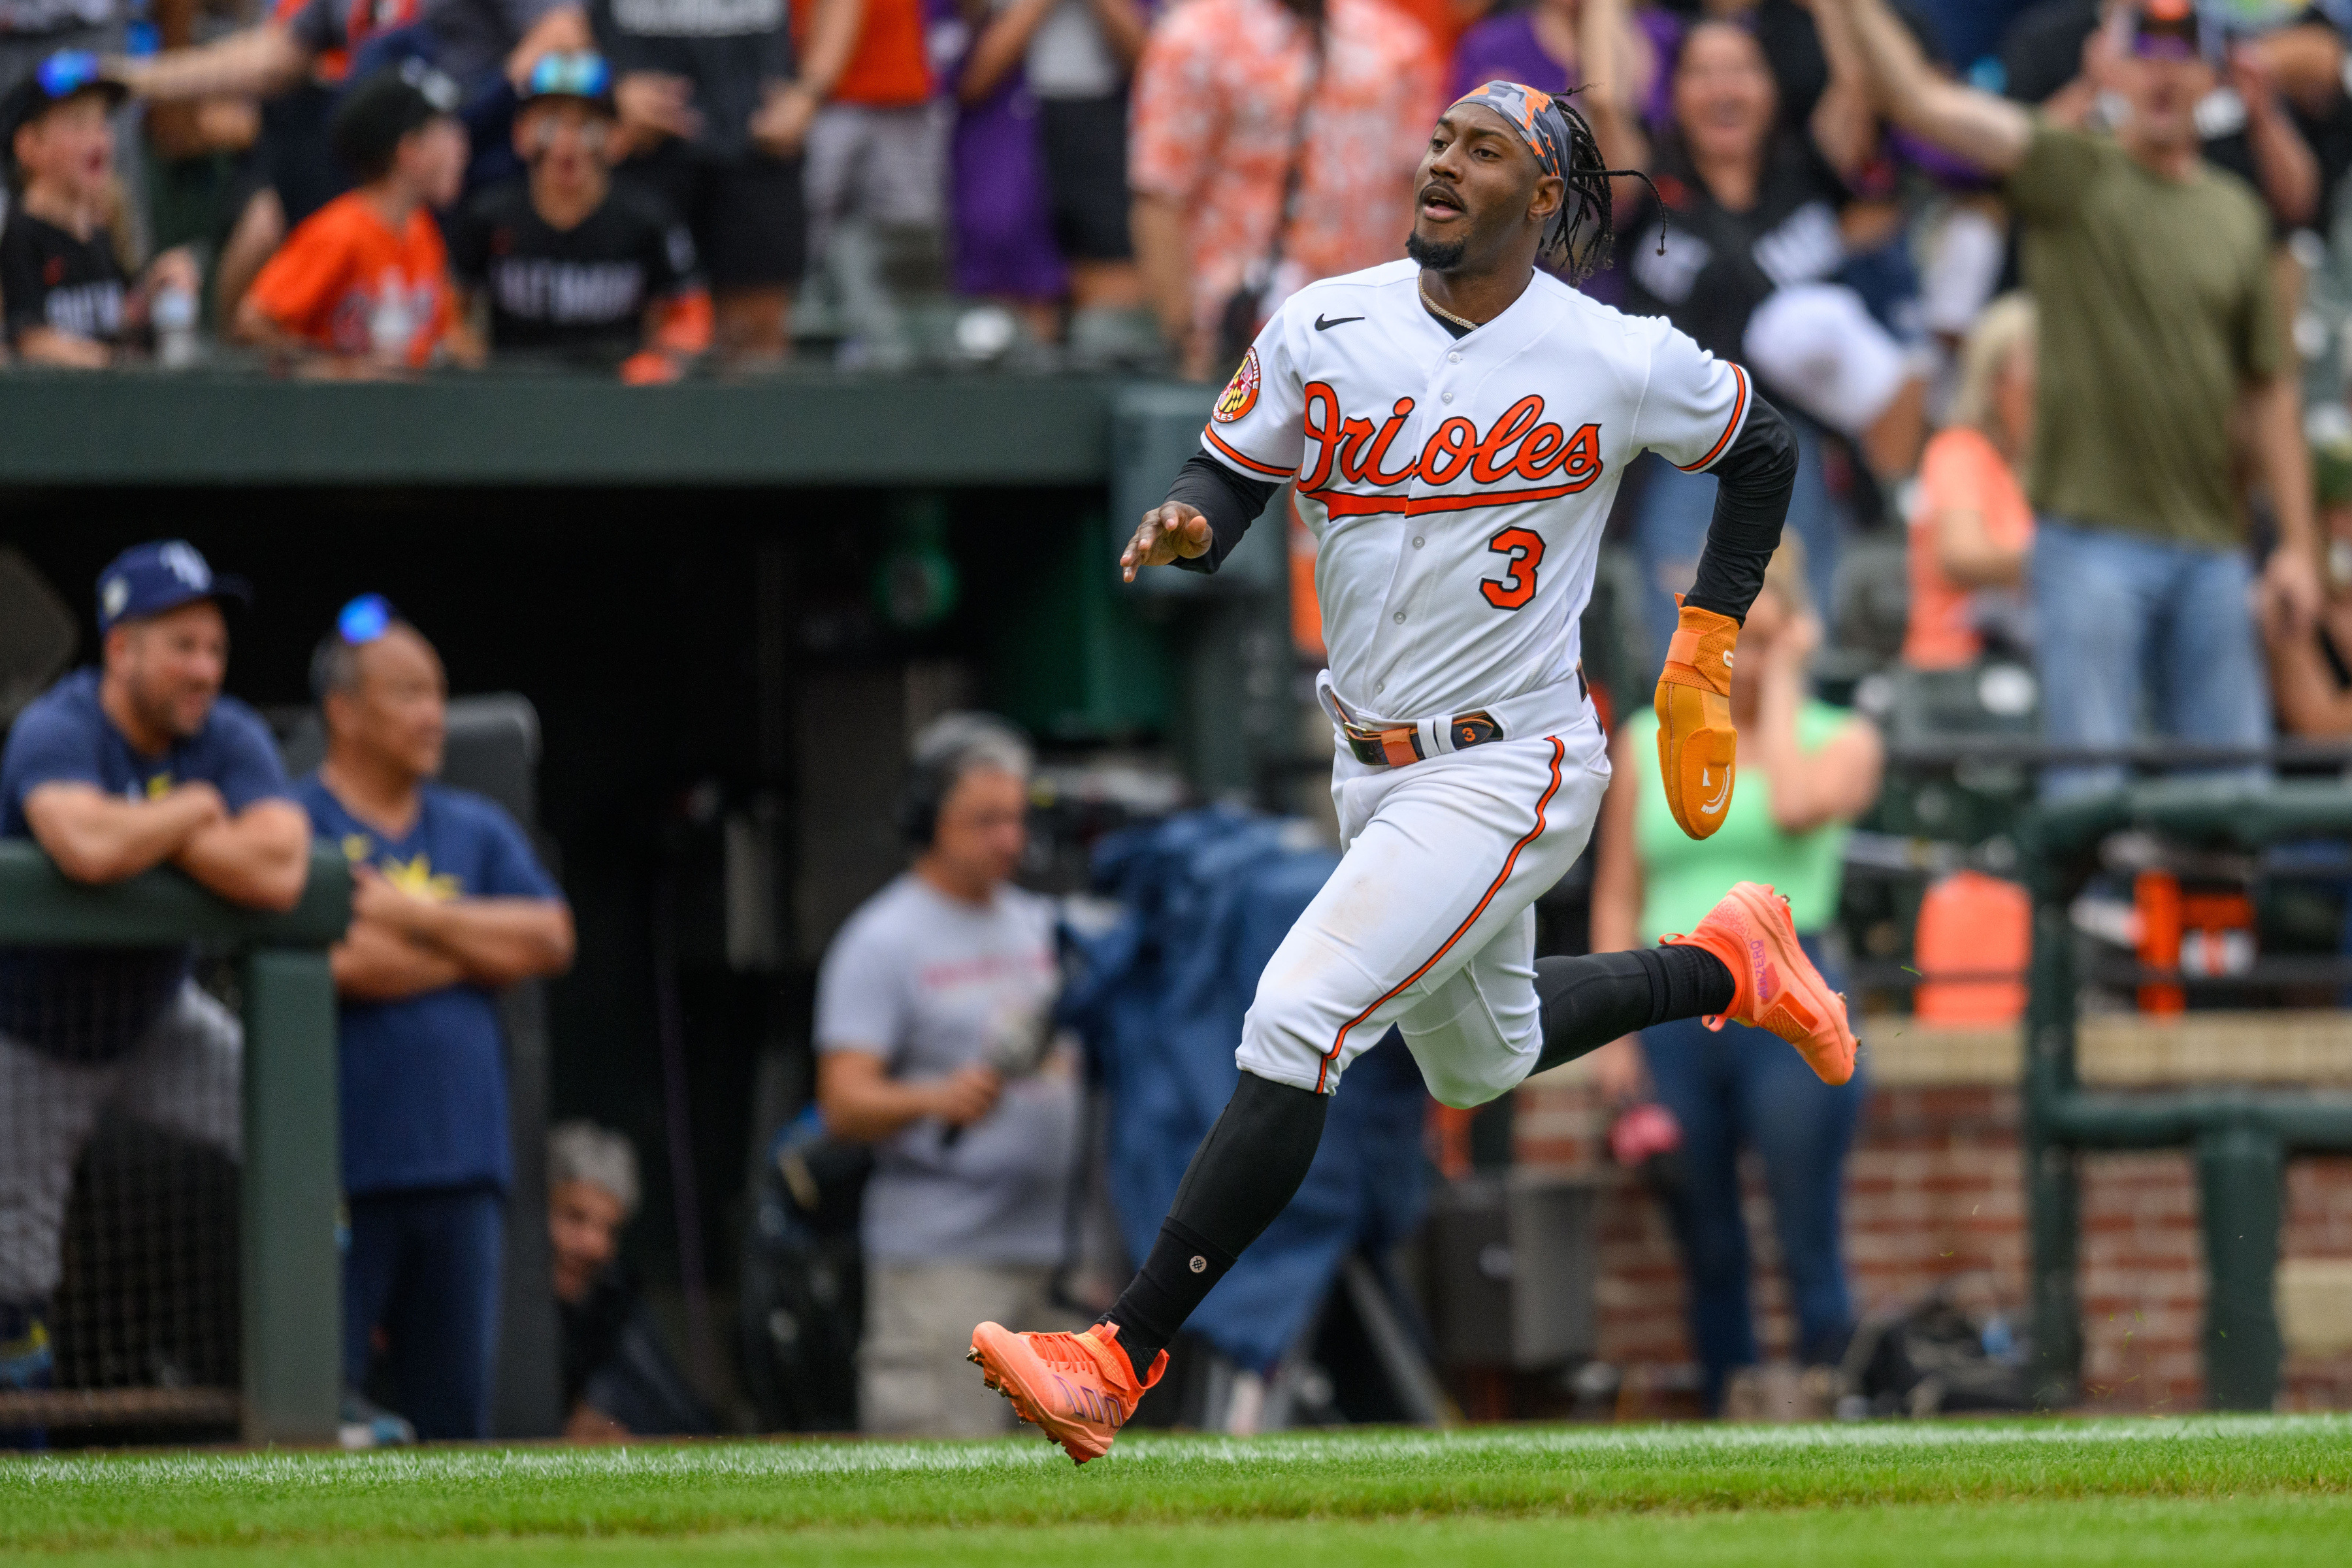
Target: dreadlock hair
(1583,237)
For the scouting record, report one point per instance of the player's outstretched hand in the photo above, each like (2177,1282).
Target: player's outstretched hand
(1696,744)
(1169,531)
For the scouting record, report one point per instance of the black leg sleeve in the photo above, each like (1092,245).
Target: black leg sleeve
(1244,1172)
(1591,1001)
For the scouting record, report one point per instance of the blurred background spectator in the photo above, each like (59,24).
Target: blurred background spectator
(361,289)
(713,119)
(2274,63)
(2159,332)
(876,151)
(1275,144)
(1807,770)
(300,55)
(139,764)
(1038,163)
(618,1381)
(1547,45)
(559,264)
(70,299)
(1750,206)
(2311,669)
(449,906)
(1971,530)
(31,33)
(934,1025)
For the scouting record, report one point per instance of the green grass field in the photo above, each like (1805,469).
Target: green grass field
(2212,1491)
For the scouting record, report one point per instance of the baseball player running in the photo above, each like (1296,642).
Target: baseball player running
(1457,425)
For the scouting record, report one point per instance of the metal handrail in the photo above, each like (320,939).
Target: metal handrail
(2242,1138)
(289,1184)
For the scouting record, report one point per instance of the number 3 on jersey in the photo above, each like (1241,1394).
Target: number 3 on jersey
(1524,548)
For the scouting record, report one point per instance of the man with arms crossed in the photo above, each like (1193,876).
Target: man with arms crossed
(2159,325)
(1457,424)
(449,906)
(114,772)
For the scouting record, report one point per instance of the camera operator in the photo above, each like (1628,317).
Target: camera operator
(932,1025)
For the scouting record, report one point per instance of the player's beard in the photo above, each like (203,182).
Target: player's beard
(1437,255)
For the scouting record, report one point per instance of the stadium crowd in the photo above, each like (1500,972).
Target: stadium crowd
(646,183)
(2060,289)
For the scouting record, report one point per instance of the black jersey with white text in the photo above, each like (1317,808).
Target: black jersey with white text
(50,279)
(580,292)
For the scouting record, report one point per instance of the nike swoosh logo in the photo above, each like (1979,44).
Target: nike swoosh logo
(1324,323)
(1715,806)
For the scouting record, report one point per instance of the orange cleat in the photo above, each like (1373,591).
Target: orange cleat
(1078,1388)
(1775,986)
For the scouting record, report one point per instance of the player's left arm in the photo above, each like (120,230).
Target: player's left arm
(1702,415)
(1754,480)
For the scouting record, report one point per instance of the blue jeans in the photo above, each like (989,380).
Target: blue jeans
(1670,527)
(2126,627)
(424,1268)
(1739,1086)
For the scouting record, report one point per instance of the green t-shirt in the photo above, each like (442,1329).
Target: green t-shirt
(1684,878)
(2155,307)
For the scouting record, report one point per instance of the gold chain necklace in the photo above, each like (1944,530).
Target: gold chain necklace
(1437,308)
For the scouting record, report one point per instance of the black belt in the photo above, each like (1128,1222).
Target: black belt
(1399,745)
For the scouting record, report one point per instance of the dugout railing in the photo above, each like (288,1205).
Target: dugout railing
(2240,1137)
(288,1277)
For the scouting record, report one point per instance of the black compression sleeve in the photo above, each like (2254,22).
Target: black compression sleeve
(1754,480)
(1590,1000)
(1240,1177)
(1231,502)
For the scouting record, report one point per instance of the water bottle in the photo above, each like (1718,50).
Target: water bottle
(174,315)
(391,323)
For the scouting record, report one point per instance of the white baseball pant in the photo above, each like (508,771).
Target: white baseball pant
(1429,921)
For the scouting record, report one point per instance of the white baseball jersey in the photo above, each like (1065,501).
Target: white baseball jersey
(1457,488)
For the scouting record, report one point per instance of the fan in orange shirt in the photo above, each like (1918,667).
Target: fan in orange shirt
(365,279)
(1971,530)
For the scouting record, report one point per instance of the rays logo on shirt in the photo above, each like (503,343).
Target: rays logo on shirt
(416,877)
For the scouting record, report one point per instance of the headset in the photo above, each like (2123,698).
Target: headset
(945,750)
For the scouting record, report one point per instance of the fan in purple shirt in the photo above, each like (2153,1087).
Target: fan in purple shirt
(1543,45)
(1538,46)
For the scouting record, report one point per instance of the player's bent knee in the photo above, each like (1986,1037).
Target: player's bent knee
(1288,1039)
(1455,1095)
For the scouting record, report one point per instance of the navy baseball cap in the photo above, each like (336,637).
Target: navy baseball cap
(66,74)
(148,579)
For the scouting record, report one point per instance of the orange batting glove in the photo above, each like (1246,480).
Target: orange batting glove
(1697,744)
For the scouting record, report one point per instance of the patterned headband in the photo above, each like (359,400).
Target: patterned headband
(1543,120)
(1537,115)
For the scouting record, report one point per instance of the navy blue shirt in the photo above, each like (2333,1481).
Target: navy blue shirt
(91,1005)
(425,1078)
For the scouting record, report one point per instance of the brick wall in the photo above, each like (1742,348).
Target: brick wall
(1934,1194)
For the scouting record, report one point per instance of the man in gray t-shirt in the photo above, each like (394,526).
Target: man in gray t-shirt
(932,1022)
